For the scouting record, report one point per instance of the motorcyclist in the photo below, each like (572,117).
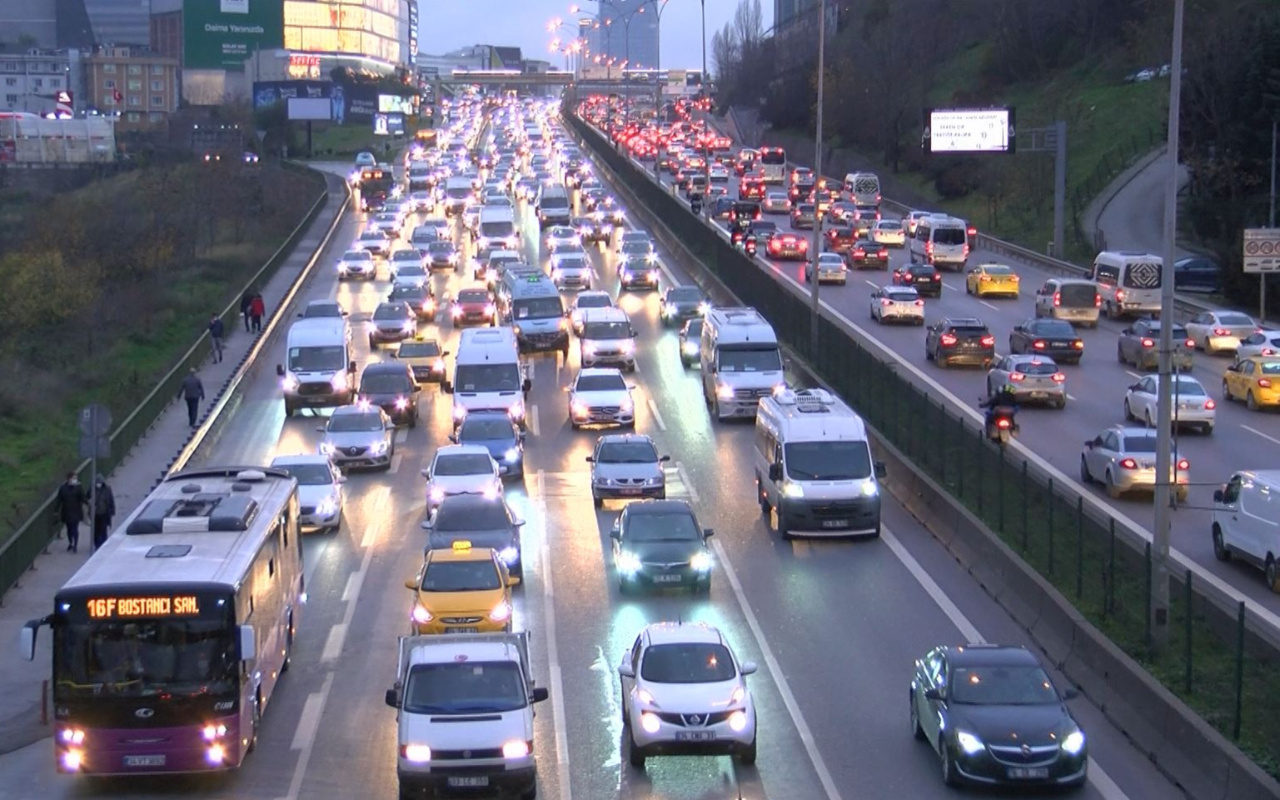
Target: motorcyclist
(1007,397)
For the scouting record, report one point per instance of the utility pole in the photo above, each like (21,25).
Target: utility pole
(1166,476)
(1271,223)
(706,155)
(811,268)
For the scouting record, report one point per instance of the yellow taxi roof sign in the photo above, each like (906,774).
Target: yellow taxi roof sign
(462,545)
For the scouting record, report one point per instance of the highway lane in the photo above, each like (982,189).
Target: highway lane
(328,735)
(1241,439)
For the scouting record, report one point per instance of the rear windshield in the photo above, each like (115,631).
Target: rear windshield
(1077,294)
(1037,368)
(1234,319)
(1145,443)
(1055,328)
(968,331)
(949,236)
(555,201)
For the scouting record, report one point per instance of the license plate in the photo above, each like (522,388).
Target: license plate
(631,491)
(835,523)
(695,736)
(667,578)
(144,761)
(462,781)
(1039,395)
(463,629)
(1028,773)
(1059,344)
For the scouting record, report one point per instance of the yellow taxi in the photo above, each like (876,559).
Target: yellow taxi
(464,589)
(1255,380)
(991,279)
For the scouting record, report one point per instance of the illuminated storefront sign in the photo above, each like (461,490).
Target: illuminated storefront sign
(370,28)
(303,66)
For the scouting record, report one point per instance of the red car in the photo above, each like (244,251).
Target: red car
(791,246)
(474,307)
(865,254)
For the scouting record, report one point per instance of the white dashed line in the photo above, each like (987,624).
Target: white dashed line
(532,420)
(1257,432)
(988,305)
(688,484)
(657,415)
(1137,376)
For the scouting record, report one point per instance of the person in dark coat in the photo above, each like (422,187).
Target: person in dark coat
(256,309)
(104,508)
(192,390)
(70,507)
(245,302)
(217,332)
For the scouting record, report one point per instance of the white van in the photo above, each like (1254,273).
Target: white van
(740,361)
(496,231)
(319,369)
(1128,282)
(862,188)
(1246,522)
(458,192)
(553,206)
(941,241)
(813,465)
(488,375)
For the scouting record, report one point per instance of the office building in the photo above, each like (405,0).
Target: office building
(373,35)
(30,80)
(628,33)
(117,22)
(139,85)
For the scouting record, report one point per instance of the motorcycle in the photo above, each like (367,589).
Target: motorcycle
(749,244)
(1001,424)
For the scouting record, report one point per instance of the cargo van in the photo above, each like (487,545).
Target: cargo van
(496,231)
(553,206)
(1128,282)
(319,369)
(1071,299)
(488,375)
(813,465)
(458,192)
(862,188)
(740,360)
(1246,522)
(941,241)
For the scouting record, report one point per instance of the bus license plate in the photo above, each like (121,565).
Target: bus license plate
(463,781)
(695,736)
(1028,773)
(667,578)
(144,761)
(835,523)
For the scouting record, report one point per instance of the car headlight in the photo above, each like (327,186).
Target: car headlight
(511,455)
(326,449)
(459,413)
(516,410)
(578,408)
(628,346)
(652,258)
(969,743)
(327,507)
(501,613)
(417,753)
(689,348)
(290,383)
(436,495)
(421,615)
(724,391)
(379,447)
(703,308)
(626,406)
(410,326)
(738,721)
(701,562)
(628,562)
(869,488)
(401,403)
(1074,743)
(589,348)
(791,489)
(509,555)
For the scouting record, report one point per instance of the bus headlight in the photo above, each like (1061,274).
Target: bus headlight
(724,391)
(216,754)
(72,736)
(72,760)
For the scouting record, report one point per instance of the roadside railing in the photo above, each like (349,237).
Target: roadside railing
(1222,653)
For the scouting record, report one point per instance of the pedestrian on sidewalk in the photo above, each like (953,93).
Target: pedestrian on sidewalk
(216,334)
(192,390)
(70,506)
(245,302)
(104,508)
(256,309)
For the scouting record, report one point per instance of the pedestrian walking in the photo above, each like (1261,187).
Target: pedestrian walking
(256,309)
(245,302)
(70,507)
(216,333)
(104,508)
(192,390)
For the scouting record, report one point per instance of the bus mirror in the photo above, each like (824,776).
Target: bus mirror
(280,370)
(248,643)
(391,698)
(775,472)
(27,639)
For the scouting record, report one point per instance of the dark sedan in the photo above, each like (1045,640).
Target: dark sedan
(474,307)
(682,303)
(419,298)
(481,521)
(390,386)
(660,543)
(867,254)
(497,433)
(1051,337)
(994,717)
(442,255)
(1139,345)
(924,278)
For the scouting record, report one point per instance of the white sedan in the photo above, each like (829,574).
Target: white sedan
(1219,331)
(320,496)
(776,203)
(888,232)
(1192,405)
(897,304)
(562,236)
(1259,343)
(461,469)
(601,396)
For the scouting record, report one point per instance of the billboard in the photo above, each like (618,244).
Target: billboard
(968,130)
(1261,250)
(393,103)
(346,101)
(388,124)
(310,108)
(222,34)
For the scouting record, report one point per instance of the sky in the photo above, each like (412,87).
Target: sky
(449,24)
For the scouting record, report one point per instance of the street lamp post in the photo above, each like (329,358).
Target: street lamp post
(811,269)
(1166,475)
(707,155)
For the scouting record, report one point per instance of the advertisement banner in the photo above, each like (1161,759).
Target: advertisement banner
(362,101)
(388,124)
(222,34)
(392,103)
(266,93)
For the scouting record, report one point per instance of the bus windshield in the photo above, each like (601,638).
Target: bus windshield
(145,658)
(487,378)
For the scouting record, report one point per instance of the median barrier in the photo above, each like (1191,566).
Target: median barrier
(971,498)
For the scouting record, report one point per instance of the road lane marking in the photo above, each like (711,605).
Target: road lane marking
(309,722)
(1257,432)
(553,651)
(532,419)
(688,484)
(989,305)
(1071,397)
(1097,776)
(402,436)
(1135,375)
(352,589)
(333,644)
(395,464)
(657,415)
(775,672)
(872,284)
(300,771)
(351,594)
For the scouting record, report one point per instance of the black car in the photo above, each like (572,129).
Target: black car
(419,298)
(1050,337)
(1197,274)
(390,386)
(960,340)
(481,521)
(660,543)
(924,278)
(994,717)
(682,303)
(721,207)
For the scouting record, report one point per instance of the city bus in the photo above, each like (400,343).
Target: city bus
(168,643)
(773,164)
(374,184)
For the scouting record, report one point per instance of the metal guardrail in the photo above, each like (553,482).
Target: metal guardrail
(20,550)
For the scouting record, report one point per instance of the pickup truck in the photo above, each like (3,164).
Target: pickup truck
(464,711)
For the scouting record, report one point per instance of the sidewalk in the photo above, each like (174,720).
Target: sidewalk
(20,703)
(1129,213)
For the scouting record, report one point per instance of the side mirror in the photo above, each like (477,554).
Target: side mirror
(393,354)
(280,370)
(1089,443)
(446,386)
(626,670)
(428,524)
(708,533)
(27,639)
(591,459)
(453,437)
(615,534)
(1133,387)
(527,386)
(513,580)
(248,643)
(444,353)
(411,584)
(880,469)
(748,668)
(775,472)
(540,693)
(351,366)
(320,429)
(1217,495)
(426,473)
(933,694)
(392,698)
(340,478)
(664,459)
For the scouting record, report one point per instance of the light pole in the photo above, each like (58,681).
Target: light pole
(1166,475)
(706,159)
(811,269)
(658,7)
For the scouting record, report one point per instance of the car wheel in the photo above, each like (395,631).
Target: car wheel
(1270,574)
(784,530)
(1226,391)
(1120,354)
(1062,403)
(531,793)
(1146,419)
(598,502)
(1220,550)
(1128,412)
(1205,345)
(747,756)
(949,776)
(762,498)
(916,731)
(1207,429)
(1113,491)
(1250,401)
(635,755)
(413,420)
(288,409)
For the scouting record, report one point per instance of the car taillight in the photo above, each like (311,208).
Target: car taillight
(1038,344)
(886,302)
(1004,423)
(1148,343)
(984,278)
(1058,377)
(928,248)
(1119,295)
(988,341)
(1128,463)
(1267,351)
(884,255)
(920,303)
(1210,405)
(966,250)
(1190,343)
(1264,383)
(937,278)
(1097,300)
(972,231)
(948,339)
(1017,377)
(1220,332)
(1184,464)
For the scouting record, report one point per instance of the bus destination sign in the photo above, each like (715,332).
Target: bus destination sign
(134,607)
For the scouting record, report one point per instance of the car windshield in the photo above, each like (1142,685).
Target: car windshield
(1054,328)
(309,474)
(694,662)
(461,576)
(409,292)
(539,308)
(357,255)
(998,270)
(419,350)
(606,330)
(472,516)
(413,270)
(640,452)
(455,464)
(1234,319)
(636,249)
(601,383)
(684,294)
(1001,686)
(487,378)
(355,423)
(473,296)
(593,301)
(827,460)
(1188,387)
(1035,367)
(467,687)
(1140,443)
(889,225)
(317,359)
(662,526)
(372,236)
(390,311)
(750,360)
(477,428)
(385,383)
(323,310)
(572,262)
